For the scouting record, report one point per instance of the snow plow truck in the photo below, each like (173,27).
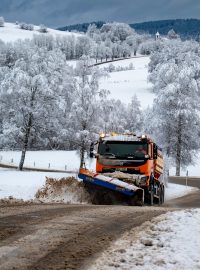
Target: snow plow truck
(129,168)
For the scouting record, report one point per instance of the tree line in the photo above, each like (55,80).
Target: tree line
(47,104)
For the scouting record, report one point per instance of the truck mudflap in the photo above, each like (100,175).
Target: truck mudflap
(111,183)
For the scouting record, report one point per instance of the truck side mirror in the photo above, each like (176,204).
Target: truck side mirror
(155,151)
(92,150)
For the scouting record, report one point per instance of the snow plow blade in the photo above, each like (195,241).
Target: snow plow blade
(114,184)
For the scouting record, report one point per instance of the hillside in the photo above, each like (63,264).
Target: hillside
(81,27)
(186,28)
(11,32)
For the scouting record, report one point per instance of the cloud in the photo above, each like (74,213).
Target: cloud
(59,13)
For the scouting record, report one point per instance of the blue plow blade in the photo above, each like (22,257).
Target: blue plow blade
(99,182)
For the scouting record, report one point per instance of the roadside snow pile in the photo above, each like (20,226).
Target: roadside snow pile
(23,185)
(170,241)
(173,191)
(67,190)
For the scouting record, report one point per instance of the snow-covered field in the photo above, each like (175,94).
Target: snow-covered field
(11,32)
(168,242)
(124,85)
(23,185)
(60,160)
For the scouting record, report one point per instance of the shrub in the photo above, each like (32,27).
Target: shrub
(43,29)
(26,26)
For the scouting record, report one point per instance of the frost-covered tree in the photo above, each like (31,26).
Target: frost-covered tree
(176,83)
(172,34)
(43,29)
(44,40)
(113,116)
(29,96)
(84,110)
(133,41)
(148,46)
(2,21)
(134,115)
(93,31)
(26,26)
(67,44)
(11,52)
(84,46)
(116,31)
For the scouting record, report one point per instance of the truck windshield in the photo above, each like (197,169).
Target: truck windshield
(129,150)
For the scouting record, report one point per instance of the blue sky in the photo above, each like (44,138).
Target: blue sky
(55,13)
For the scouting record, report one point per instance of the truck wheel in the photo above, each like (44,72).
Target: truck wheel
(163,195)
(160,199)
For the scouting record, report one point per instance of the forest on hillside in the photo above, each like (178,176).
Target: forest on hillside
(186,28)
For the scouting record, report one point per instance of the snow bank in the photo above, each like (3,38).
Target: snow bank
(23,185)
(173,191)
(170,241)
(67,190)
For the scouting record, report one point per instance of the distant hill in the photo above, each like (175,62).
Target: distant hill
(80,27)
(183,27)
(186,28)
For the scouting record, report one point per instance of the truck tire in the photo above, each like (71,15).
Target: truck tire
(163,195)
(151,195)
(160,196)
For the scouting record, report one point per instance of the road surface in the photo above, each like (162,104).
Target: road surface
(60,236)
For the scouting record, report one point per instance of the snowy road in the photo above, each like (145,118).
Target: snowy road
(63,236)
(58,236)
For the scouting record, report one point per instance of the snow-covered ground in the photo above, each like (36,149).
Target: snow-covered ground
(125,84)
(173,191)
(11,32)
(168,242)
(23,185)
(60,160)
